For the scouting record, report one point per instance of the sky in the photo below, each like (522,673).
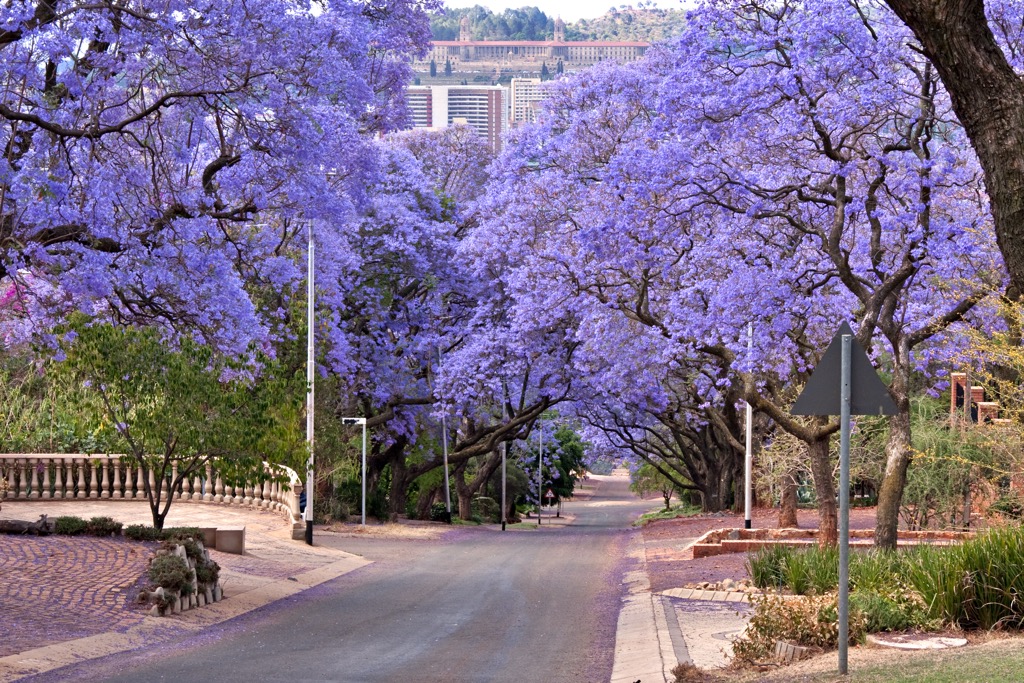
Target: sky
(569,10)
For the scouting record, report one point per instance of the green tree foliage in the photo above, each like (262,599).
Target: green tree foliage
(40,409)
(652,25)
(433,68)
(525,23)
(173,409)
(647,480)
(447,67)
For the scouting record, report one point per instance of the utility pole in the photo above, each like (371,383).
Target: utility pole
(540,469)
(310,378)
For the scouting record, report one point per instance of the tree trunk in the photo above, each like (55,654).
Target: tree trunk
(712,491)
(988,98)
(890,494)
(821,469)
(399,486)
(787,506)
(463,492)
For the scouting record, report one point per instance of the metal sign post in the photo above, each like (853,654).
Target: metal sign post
(861,392)
(748,466)
(844,505)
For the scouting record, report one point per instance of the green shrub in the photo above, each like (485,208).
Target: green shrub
(103,526)
(207,572)
(172,573)
(809,621)
(765,566)
(896,609)
(69,526)
(438,512)
(192,548)
(140,532)
(486,509)
(1009,504)
(182,533)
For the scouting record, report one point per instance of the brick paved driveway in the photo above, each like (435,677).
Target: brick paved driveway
(58,588)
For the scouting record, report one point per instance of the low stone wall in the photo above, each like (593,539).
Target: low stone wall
(731,540)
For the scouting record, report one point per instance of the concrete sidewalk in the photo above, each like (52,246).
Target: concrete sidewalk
(657,631)
(65,599)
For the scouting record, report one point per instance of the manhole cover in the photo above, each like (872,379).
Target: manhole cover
(915,641)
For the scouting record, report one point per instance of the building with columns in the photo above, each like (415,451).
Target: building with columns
(465,53)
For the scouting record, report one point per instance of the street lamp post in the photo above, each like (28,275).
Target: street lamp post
(310,377)
(540,469)
(444,446)
(360,421)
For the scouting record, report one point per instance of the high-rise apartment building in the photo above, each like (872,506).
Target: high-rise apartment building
(526,96)
(483,107)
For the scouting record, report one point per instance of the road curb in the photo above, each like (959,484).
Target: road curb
(642,636)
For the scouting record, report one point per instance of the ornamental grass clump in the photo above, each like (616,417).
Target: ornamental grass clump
(977,584)
(765,567)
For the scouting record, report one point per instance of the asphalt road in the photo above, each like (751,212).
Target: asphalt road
(479,605)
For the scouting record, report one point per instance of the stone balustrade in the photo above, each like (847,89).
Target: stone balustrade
(81,477)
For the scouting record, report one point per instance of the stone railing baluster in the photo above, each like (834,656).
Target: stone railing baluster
(105,480)
(33,466)
(140,482)
(208,484)
(81,491)
(61,473)
(47,463)
(94,484)
(118,483)
(12,491)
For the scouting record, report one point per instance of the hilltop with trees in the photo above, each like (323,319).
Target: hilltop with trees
(530,23)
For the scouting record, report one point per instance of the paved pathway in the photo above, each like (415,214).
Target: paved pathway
(57,588)
(64,599)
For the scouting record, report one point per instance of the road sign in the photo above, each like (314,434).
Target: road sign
(550,494)
(868,395)
(844,383)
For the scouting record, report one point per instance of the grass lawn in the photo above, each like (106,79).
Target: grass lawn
(997,660)
(682,510)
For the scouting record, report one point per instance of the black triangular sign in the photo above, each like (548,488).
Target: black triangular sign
(868,394)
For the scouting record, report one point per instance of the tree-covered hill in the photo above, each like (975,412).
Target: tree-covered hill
(530,23)
(627,23)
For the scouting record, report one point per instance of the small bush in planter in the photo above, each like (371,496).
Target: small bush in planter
(171,573)
(103,526)
(182,533)
(69,526)
(140,532)
(207,573)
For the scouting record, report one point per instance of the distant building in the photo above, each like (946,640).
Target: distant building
(483,107)
(526,96)
(575,54)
